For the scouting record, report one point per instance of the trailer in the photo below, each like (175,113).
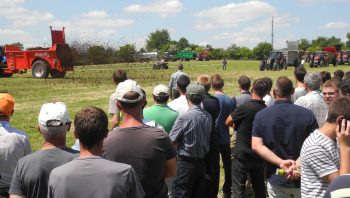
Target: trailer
(186,55)
(55,60)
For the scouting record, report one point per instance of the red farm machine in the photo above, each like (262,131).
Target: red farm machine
(55,60)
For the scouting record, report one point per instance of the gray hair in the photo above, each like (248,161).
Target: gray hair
(52,132)
(312,81)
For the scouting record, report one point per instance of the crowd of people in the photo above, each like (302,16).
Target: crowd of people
(281,139)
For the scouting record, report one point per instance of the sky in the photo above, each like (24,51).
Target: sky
(219,23)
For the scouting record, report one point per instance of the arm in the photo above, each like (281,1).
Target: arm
(229,121)
(17,196)
(115,121)
(265,153)
(343,134)
(170,168)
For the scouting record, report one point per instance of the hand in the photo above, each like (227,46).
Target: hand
(287,164)
(343,133)
(292,167)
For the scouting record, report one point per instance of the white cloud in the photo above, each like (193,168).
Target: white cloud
(232,14)
(311,2)
(164,8)
(337,25)
(19,16)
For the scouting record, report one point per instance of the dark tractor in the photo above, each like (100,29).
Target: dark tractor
(344,57)
(160,65)
(319,59)
(275,61)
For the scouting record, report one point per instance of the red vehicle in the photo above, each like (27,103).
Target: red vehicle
(204,55)
(55,60)
(344,57)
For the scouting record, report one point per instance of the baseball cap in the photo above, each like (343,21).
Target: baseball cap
(195,89)
(54,114)
(7,103)
(161,90)
(126,87)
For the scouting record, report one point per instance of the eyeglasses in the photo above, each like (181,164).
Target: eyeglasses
(328,93)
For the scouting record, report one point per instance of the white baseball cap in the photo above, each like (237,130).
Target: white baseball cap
(161,90)
(54,114)
(126,87)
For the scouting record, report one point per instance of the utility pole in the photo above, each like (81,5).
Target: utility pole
(272,32)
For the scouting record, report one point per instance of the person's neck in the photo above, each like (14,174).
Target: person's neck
(182,93)
(277,98)
(256,97)
(300,84)
(55,143)
(160,103)
(131,119)
(243,91)
(96,150)
(328,129)
(219,91)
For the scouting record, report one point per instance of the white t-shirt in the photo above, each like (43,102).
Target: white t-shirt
(112,105)
(179,104)
(269,100)
(319,157)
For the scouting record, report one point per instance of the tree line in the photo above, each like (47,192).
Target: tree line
(160,41)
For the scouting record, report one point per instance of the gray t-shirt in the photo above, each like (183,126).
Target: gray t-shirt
(94,177)
(298,92)
(32,172)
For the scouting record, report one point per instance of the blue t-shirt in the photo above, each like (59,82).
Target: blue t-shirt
(283,128)
(226,108)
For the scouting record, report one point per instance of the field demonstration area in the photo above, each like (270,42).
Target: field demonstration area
(92,86)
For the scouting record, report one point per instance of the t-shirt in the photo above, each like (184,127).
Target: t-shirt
(241,98)
(269,100)
(212,106)
(146,149)
(31,175)
(162,114)
(283,127)
(226,108)
(14,144)
(112,105)
(319,157)
(94,177)
(243,118)
(339,187)
(298,92)
(179,104)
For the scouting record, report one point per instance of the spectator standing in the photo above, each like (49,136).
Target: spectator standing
(147,149)
(180,104)
(191,134)
(320,161)
(245,160)
(118,76)
(313,100)
(212,158)
(268,98)
(338,74)
(347,75)
(32,172)
(330,90)
(224,64)
(325,75)
(14,144)
(160,112)
(226,107)
(244,96)
(174,92)
(90,175)
(339,187)
(299,74)
(277,137)
(345,89)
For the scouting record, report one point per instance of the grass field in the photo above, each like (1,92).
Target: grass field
(92,85)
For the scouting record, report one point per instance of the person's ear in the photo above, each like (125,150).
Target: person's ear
(274,93)
(37,126)
(12,112)
(69,125)
(75,135)
(119,106)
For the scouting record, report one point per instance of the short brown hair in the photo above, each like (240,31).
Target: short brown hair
(217,82)
(244,82)
(205,81)
(260,87)
(339,107)
(284,87)
(119,76)
(91,126)
(333,83)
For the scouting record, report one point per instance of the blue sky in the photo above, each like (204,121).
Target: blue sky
(219,23)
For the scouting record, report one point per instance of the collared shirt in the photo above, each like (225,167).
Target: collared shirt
(242,98)
(14,144)
(161,114)
(191,132)
(283,127)
(315,102)
(179,104)
(174,77)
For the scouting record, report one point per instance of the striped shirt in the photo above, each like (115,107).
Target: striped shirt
(191,132)
(319,157)
(315,102)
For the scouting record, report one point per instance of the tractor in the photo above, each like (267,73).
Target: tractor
(344,57)
(54,61)
(160,65)
(275,61)
(319,58)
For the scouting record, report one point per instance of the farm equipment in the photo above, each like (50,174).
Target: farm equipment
(160,65)
(344,57)
(186,55)
(319,58)
(275,61)
(203,55)
(55,60)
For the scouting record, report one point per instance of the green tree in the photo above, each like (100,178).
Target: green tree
(304,44)
(96,54)
(232,51)
(261,50)
(18,44)
(182,43)
(244,53)
(126,53)
(348,41)
(157,39)
(217,54)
